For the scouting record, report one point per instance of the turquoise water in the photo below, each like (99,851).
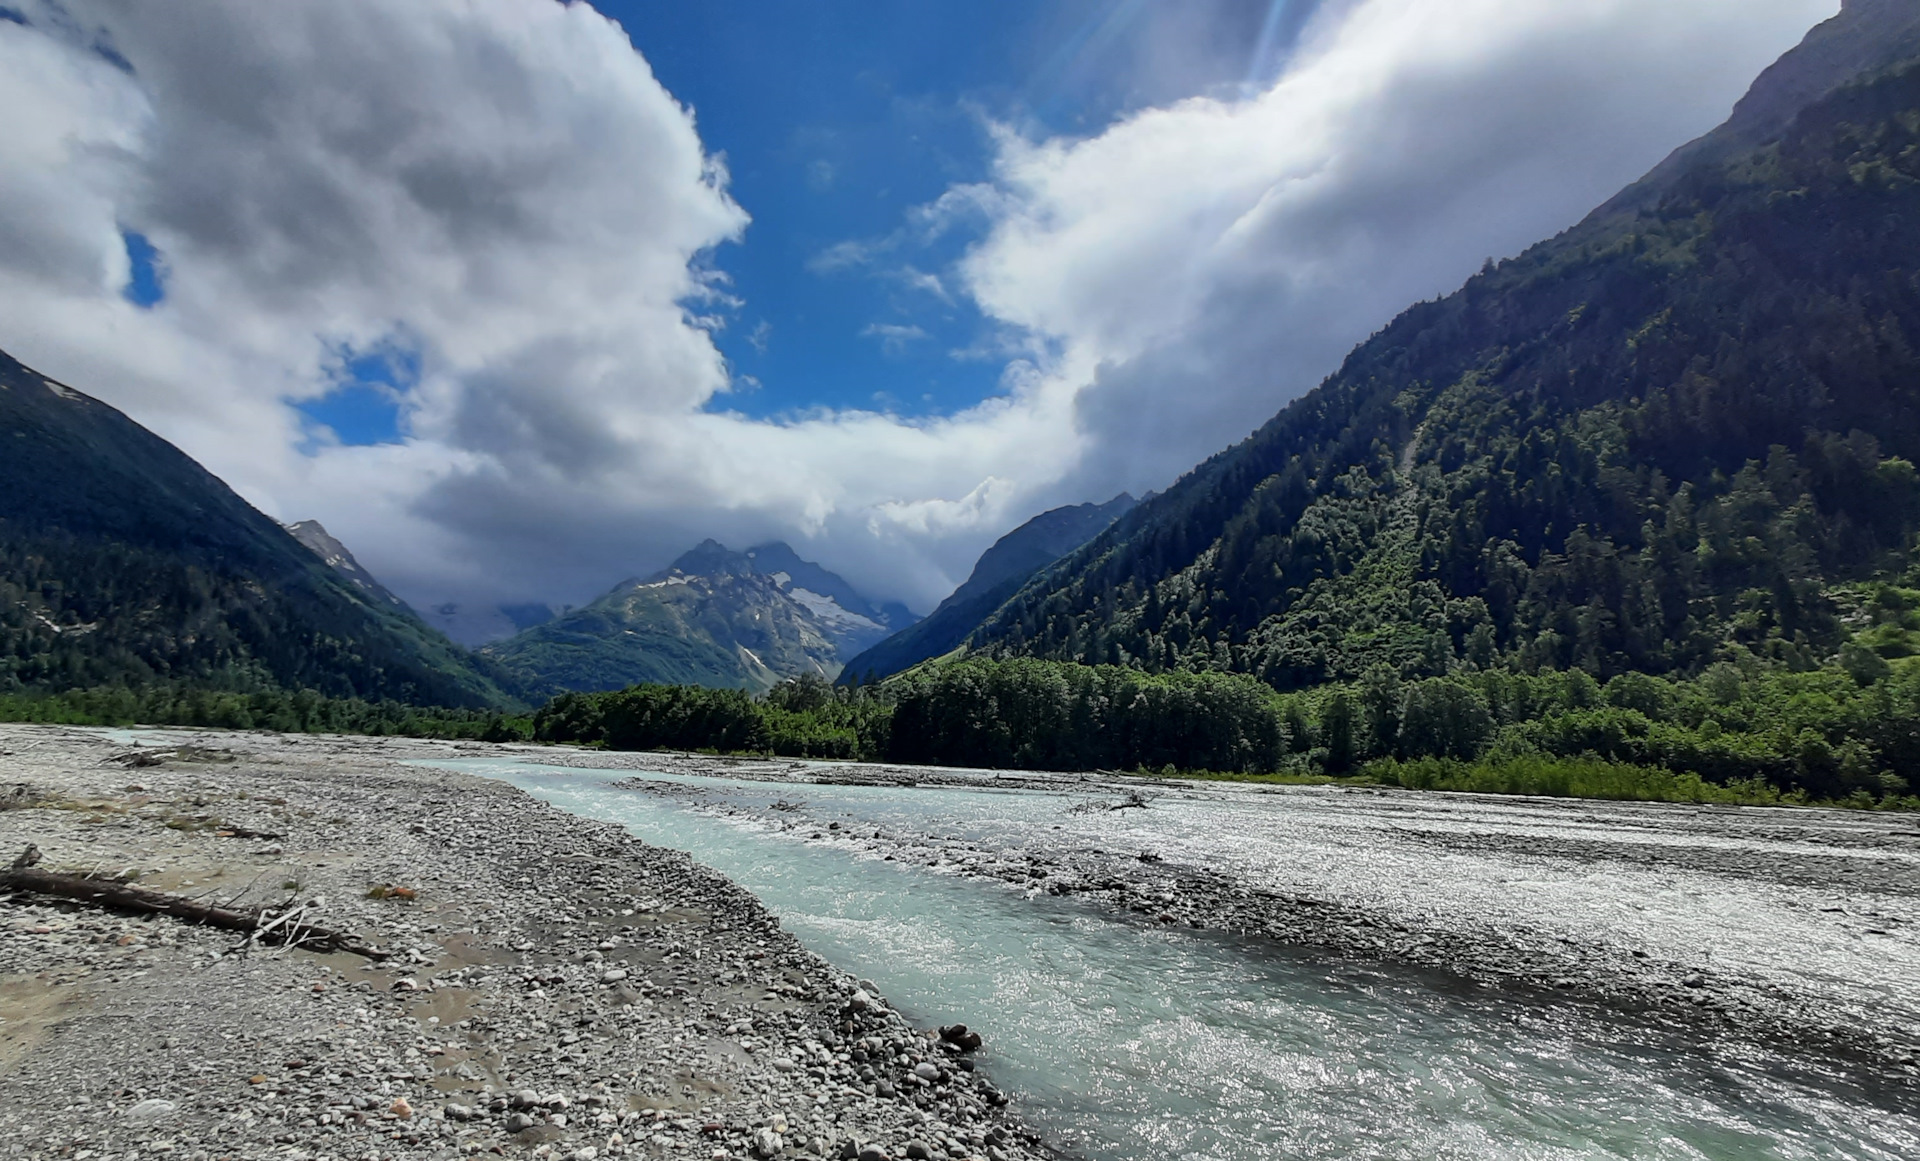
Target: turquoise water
(1125,1041)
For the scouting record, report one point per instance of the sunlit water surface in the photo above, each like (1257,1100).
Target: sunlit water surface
(1127,1041)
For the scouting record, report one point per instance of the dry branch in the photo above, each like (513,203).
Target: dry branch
(259,924)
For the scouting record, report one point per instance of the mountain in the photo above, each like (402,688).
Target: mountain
(715,617)
(314,535)
(999,573)
(1683,431)
(477,625)
(122,561)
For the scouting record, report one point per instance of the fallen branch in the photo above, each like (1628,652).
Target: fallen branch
(259,924)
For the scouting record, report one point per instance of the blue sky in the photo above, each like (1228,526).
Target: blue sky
(424,271)
(835,121)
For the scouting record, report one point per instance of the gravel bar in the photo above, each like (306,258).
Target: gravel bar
(554,988)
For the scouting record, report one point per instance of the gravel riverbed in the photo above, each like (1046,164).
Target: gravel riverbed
(554,988)
(1796,931)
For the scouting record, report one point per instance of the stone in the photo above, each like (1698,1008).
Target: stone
(519,1123)
(919,1151)
(873,1153)
(152,1109)
(526,1098)
(766,1143)
(927,1070)
(614,976)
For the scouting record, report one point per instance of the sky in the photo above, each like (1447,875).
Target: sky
(522,298)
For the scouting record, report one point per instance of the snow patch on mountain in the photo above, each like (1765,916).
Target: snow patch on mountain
(830,611)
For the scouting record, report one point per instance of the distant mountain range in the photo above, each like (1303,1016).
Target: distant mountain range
(1001,571)
(1682,433)
(122,561)
(715,617)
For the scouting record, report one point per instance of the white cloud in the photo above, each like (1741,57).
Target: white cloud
(1214,259)
(503,186)
(895,338)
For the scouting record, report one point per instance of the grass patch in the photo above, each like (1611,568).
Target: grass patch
(1545,776)
(1597,778)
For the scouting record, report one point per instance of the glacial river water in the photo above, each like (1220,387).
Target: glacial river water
(1130,1041)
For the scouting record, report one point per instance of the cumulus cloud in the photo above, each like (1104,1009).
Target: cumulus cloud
(503,190)
(1211,260)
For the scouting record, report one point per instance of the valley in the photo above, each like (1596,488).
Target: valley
(1531,974)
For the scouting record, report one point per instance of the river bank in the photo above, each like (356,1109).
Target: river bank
(1793,928)
(551,986)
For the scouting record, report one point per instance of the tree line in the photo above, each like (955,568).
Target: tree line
(1848,732)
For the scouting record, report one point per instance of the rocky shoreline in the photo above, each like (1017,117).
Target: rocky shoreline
(1864,1030)
(551,987)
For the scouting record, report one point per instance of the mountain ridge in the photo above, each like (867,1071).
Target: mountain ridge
(1000,572)
(713,617)
(124,562)
(1639,446)
(324,545)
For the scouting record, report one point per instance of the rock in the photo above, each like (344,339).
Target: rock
(152,1109)
(457,1112)
(614,976)
(526,1098)
(873,1153)
(926,1070)
(1696,980)
(860,1002)
(919,1151)
(519,1123)
(766,1143)
(961,1037)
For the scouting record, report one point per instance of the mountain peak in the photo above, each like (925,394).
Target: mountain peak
(323,545)
(714,617)
(1865,37)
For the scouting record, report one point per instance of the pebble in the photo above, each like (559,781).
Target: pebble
(152,1109)
(498,1025)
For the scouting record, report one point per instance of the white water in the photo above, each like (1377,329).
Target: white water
(1125,1041)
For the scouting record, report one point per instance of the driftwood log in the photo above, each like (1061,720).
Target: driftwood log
(282,925)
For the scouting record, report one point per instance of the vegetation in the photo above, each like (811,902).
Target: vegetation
(1759,736)
(1672,438)
(296,712)
(123,562)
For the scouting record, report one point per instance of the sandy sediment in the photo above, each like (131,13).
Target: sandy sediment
(554,988)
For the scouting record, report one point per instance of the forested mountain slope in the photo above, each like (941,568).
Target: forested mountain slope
(1684,430)
(124,562)
(997,575)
